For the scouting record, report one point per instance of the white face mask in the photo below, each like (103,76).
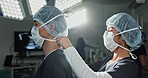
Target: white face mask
(37,38)
(109,42)
(111,45)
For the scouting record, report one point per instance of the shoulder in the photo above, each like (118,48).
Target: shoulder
(56,54)
(56,58)
(127,63)
(125,67)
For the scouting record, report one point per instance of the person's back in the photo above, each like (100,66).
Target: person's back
(55,65)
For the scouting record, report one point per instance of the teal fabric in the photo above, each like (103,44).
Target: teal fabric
(5,74)
(145,75)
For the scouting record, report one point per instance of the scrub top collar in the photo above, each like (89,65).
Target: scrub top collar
(50,53)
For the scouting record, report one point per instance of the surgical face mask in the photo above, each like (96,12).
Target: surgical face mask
(109,42)
(111,45)
(36,36)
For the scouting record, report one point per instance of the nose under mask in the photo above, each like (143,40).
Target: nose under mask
(109,42)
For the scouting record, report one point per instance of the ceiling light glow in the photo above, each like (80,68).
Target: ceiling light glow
(12,9)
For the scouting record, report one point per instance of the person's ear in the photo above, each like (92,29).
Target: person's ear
(52,27)
(122,40)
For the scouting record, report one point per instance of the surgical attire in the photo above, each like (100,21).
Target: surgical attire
(47,16)
(123,68)
(54,64)
(128,28)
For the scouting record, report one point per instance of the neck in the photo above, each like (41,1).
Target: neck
(120,53)
(49,47)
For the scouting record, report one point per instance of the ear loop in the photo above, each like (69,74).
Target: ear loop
(51,20)
(127,30)
(52,40)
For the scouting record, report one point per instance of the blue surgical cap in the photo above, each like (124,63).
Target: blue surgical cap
(122,22)
(57,26)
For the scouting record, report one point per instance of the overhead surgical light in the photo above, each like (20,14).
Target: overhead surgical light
(77,18)
(65,4)
(35,5)
(12,9)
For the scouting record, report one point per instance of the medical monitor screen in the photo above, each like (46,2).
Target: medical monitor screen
(24,42)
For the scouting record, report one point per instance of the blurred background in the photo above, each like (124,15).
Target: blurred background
(86,22)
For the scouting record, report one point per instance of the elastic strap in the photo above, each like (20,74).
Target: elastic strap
(51,19)
(131,54)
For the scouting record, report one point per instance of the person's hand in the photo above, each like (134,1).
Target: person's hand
(64,42)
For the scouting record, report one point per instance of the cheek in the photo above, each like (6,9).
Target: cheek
(118,39)
(44,33)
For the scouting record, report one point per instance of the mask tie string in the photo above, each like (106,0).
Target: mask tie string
(133,56)
(51,20)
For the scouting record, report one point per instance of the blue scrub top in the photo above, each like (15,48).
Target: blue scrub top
(55,65)
(117,69)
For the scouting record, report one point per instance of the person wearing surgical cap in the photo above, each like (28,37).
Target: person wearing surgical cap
(49,23)
(122,36)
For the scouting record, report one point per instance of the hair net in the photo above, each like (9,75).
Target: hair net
(52,20)
(122,22)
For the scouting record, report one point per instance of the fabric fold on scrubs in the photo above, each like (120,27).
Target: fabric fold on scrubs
(80,68)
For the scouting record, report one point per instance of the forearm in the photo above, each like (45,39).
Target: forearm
(143,62)
(145,67)
(80,68)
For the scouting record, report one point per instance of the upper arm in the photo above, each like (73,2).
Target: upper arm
(143,61)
